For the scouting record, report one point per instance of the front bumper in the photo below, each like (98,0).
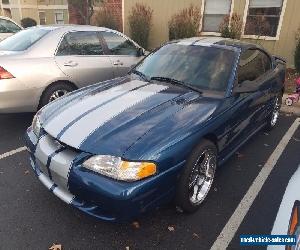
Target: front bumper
(60,169)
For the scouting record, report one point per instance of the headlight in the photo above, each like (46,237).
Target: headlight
(36,125)
(118,169)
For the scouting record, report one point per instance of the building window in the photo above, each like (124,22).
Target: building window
(7,13)
(214,13)
(263,17)
(59,18)
(5,1)
(42,17)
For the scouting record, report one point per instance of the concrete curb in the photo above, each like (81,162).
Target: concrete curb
(295,109)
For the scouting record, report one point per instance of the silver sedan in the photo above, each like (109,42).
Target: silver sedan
(43,63)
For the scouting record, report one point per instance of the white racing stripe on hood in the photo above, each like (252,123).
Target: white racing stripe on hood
(55,126)
(78,132)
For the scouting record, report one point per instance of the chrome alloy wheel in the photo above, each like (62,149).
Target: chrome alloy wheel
(202,176)
(275,113)
(57,94)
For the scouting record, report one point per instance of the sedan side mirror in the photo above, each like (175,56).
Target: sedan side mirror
(245,87)
(140,52)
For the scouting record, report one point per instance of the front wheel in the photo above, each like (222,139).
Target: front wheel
(197,177)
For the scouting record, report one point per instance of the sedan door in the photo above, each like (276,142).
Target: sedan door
(124,53)
(80,56)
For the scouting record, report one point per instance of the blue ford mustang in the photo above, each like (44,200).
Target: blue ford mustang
(125,146)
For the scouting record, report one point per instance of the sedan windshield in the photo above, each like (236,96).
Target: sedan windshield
(23,39)
(206,68)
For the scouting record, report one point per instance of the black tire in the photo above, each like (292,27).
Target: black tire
(271,121)
(58,87)
(183,192)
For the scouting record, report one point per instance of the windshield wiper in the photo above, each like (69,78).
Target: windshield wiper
(139,73)
(174,81)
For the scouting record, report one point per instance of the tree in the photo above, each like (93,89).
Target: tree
(85,8)
(28,22)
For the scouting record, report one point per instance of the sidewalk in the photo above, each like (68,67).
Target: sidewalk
(294,109)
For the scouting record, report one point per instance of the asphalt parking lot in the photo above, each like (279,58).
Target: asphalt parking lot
(32,218)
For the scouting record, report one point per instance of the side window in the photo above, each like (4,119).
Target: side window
(7,26)
(80,43)
(118,45)
(250,66)
(266,62)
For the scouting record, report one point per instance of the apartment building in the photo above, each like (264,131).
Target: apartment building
(43,11)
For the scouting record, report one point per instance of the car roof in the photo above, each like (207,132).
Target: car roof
(68,27)
(215,41)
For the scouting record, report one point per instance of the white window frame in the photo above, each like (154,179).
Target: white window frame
(205,33)
(59,12)
(41,11)
(268,38)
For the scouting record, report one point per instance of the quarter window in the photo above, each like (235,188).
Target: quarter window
(214,13)
(252,65)
(263,17)
(80,43)
(119,45)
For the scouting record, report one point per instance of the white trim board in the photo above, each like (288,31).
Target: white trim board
(268,38)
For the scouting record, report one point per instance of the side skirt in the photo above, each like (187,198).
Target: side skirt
(222,161)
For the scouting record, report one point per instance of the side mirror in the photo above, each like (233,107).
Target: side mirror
(140,52)
(245,87)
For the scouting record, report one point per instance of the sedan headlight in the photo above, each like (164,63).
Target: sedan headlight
(118,169)
(36,125)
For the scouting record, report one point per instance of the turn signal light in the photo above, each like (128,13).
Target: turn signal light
(4,74)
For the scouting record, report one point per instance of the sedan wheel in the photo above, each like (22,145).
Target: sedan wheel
(55,91)
(197,177)
(57,94)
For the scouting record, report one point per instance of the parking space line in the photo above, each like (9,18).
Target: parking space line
(240,212)
(12,152)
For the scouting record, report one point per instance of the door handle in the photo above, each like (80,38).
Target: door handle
(118,63)
(71,64)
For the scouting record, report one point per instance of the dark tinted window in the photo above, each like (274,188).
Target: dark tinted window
(266,62)
(80,43)
(23,39)
(7,26)
(119,45)
(207,68)
(251,65)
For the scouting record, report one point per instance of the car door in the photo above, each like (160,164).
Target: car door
(124,53)
(246,114)
(80,56)
(7,28)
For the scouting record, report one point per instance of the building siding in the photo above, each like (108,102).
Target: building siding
(163,10)
(31,8)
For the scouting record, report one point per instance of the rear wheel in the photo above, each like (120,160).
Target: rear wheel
(55,91)
(272,121)
(197,177)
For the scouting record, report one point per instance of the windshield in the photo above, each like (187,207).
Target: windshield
(207,68)
(23,39)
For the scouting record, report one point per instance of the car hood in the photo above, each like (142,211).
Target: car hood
(109,118)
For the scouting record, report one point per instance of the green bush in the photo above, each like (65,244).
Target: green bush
(140,22)
(104,17)
(185,23)
(297,56)
(28,22)
(231,28)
